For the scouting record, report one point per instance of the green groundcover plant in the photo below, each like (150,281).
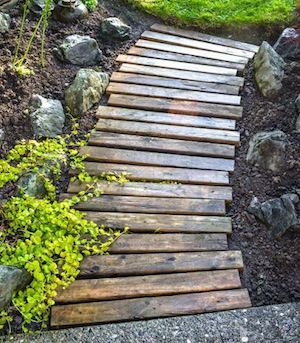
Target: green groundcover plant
(46,237)
(215,13)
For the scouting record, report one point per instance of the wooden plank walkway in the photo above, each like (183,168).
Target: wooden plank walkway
(170,126)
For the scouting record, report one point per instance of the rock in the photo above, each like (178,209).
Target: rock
(291,196)
(32,184)
(67,13)
(86,90)
(115,28)
(1,135)
(11,279)
(47,117)
(269,70)
(267,150)
(278,214)
(37,6)
(297,102)
(7,5)
(79,50)
(288,44)
(4,22)
(298,108)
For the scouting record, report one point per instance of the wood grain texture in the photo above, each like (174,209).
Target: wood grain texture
(220,52)
(159,263)
(110,112)
(168,242)
(174,56)
(132,204)
(168,131)
(156,190)
(204,37)
(171,93)
(176,106)
(150,307)
(156,62)
(181,74)
(148,286)
(163,223)
(157,174)
(99,154)
(174,83)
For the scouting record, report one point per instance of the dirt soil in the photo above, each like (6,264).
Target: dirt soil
(271,265)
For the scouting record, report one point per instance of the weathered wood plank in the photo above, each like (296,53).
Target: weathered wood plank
(176,106)
(149,307)
(145,264)
(148,286)
(174,83)
(98,154)
(168,131)
(225,53)
(132,204)
(156,62)
(168,242)
(157,174)
(204,37)
(144,143)
(171,93)
(163,223)
(174,56)
(156,190)
(110,112)
(181,74)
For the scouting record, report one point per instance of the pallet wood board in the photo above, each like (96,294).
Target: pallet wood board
(174,56)
(219,51)
(148,286)
(134,204)
(101,154)
(159,174)
(176,106)
(149,307)
(168,131)
(162,223)
(174,83)
(171,93)
(156,62)
(181,74)
(148,189)
(159,263)
(204,37)
(110,112)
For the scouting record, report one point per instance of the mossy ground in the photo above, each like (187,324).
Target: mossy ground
(216,13)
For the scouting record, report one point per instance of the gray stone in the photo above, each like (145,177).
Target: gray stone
(5,21)
(32,184)
(68,14)
(79,50)
(37,6)
(269,70)
(278,214)
(268,150)
(297,102)
(264,324)
(86,90)
(11,279)
(8,5)
(47,116)
(288,44)
(291,196)
(114,28)
(1,135)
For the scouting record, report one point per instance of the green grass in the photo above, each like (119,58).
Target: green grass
(216,13)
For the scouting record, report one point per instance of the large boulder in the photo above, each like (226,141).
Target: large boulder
(278,214)
(86,90)
(5,21)
(11,280)
(269,70)
(267,150)
(114,28)
(79,50)
(288,44)
(47,116)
